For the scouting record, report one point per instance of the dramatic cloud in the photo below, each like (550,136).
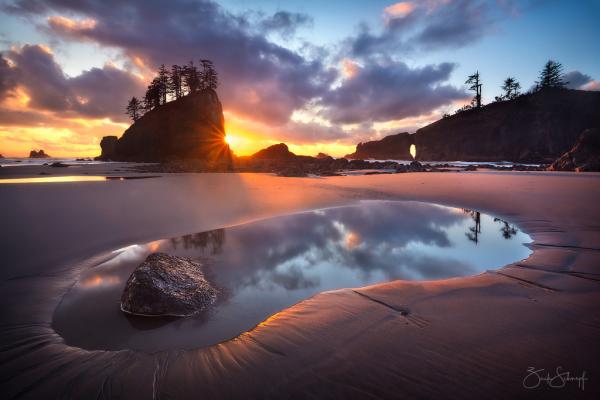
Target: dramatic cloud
(431,24)
(380,92)
(8,78)
(581,81)
(359,80)
(259,78)
(98,92)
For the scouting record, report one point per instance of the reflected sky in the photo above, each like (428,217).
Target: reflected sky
(266,266)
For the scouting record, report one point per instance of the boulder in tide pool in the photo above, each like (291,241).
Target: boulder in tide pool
(165,285)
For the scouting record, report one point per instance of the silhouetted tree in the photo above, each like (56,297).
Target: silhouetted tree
(508,231)
(551,76)
(175,81)
(474,231)
(134,109)
(191,77)
(181,80)
(152,98)
(475,82)
(511,88)
(210,78)
(163,83)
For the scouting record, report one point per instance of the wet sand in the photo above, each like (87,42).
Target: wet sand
(459,338)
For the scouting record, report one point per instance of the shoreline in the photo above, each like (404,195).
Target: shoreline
(358,333)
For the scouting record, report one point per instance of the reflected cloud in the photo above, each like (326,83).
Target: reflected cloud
(265,266)
(100,280)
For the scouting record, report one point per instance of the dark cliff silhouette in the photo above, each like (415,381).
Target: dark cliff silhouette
(394,147)
(191,127)
(535,127)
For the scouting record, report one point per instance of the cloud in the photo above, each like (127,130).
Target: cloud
(285,23)
(399,10)
(581,81)
(388,91)
(259,78)
(98,92)
(8,78)
(426,25)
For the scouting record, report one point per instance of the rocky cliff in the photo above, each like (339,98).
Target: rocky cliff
(584,156)
(393,147)
(537,127)
(275,152)
(191,127)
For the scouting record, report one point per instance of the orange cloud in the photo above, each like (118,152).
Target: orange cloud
(399,10)
(592,85)
(67,25)
(349,68)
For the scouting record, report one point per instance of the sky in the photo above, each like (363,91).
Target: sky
(318,75)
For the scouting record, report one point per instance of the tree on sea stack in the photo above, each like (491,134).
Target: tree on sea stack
(209,76)
(163,83)
(134,109)
(475,83)
(191,77)
(551,76)
(175,81)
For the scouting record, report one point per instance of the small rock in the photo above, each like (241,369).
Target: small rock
(58,164)
(165,285)
(416,166)
(470,168)
(292,171)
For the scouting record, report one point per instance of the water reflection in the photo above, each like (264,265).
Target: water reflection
(71,178)
(269,265)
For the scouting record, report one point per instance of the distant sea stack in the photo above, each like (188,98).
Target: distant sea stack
(275,152)
(537,127)
(38,154)
(393,147)
(191,127)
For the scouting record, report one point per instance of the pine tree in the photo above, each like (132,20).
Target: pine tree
(511,89)
(152,98)
(475,83)
(191,77)
(551,76)
(163,83)
(134,109)
(175,83)
(210,78)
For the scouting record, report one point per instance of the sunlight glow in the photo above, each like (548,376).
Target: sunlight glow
(413,151)
(54,179)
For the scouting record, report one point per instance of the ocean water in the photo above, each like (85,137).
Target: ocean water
(13,162)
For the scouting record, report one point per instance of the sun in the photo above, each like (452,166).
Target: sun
(227,139)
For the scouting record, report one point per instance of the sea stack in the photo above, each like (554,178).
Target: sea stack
(38,154)
(189,128)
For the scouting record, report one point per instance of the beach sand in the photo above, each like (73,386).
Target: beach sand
(460,338)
